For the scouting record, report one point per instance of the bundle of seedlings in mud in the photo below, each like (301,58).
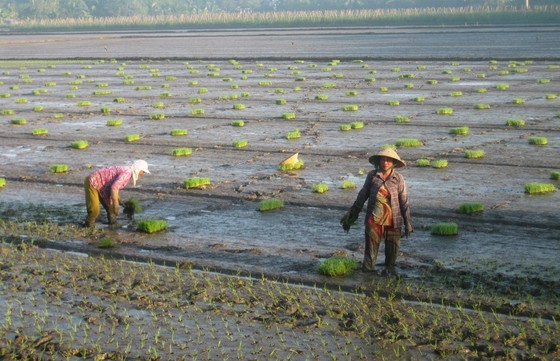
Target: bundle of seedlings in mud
(345,127)
(337,266)
(518,101)
(470,208)
(270,204)
(130,207)
(105,110)
(114,123)
(319,187)
(106,242)
(289,116)
(502,86)
(538,140)
(239,106)
(445,229)
(151,225)
(464,130)
(181,152)
(238,123)
(131,138)
(423,162)
(7,112)
(18,121)
(551,96)
(357,125)
(59,168)
(21,101)
(555,175)
(482,106)
(321,97)
(444,111)
(178,132)
(539,188)
(474,153)
(242,143)
(40,131)
(402,119)
(79,144)
(293,162)
(408,142)
(157,116)
(2,182)
(196,182)
(119,100)
(515,122)
(38,108)
(439,163)
(83,103)
(419,99)
(350,108)
(348,184)
(294,134)
(158,105)
(197,111)
(280,101)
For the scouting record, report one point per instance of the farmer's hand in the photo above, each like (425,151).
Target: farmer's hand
(346,221)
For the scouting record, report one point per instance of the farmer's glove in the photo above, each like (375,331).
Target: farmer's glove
(348,220)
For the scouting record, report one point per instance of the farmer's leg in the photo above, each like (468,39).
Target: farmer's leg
(392,244)
(92,203)
(111,216)
(372,240)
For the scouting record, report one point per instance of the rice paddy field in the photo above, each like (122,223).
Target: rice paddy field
(477,122)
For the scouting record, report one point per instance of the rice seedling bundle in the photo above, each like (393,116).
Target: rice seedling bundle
(105,110)
(439,163)
(407,76)
(297,165)
(348,184)
(151,225)
(289,116)
(419,99)
(470,208)
(131,138)
(351,93)
(329,85)
(503,72)
(481,90)
(279,91)
(503,86)
(270,204)
(178,132)
(350,108)
(143,87)
(455,79)
(538,140)
(319,187)
(482,106)
(337,266)
(423,162)
(18,121)
(402,119)
(321,97)
(114,123)
(2,182)
(59,168)
(196,182)
(345,127)
(459,130)
(38,108)
(384,89)
(166,95)
(432,82)
(544,81)
(280,101)
(197,111)
(370,80)
(408,142)
(119,100)
(518,101)
(5,95)
(7,112)
(474,153)
(158,105)
(157,116)
(550,96)
(445,229)
(539,188)
(394,103)
(40,131)
(84,103)
(58,115)
(106,242)
(181,152)
(265,83)
(238,106)
(456,94)
(295,134)
(555,175)
(515,122)
(409,86)
(240,143)
(444,111)
(481,76)
(79,144)
(21,101)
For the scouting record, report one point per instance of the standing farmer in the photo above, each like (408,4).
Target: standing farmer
(103,185)
(387,210)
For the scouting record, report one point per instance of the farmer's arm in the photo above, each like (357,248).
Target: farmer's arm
(405,207)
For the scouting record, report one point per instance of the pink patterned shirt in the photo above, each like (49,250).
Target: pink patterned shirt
(109,178)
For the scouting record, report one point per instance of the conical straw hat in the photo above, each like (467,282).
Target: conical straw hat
(291,160)
(389,153)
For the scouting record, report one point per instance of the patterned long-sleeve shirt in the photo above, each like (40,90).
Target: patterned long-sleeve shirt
(396,186)
(106,179)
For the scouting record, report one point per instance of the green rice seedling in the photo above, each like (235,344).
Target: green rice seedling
(166,95)
(5,95)
(280,101)
(143,87)
(151,225)
(539,188)
(279,91)
(402,119)
(550,96)
(21,101)
(444,111)
(386,146)
(106,242)
(2,182)
(102,92)
(555,175)
(59,168)
(105,110)
(128,82)
(114,123)
(298,165)
(238,106)
(196,182)
(329,85)
(474,153)
(348,184)
(337,266)
(419,99)
(289,116)
(84,103)
(480,76)
(337,76)
(131,138)
(481,90)
(158,105)
(79,144)
(119,100)
(423,162)
(234,86)
(265,83)
(503,72)
(515,122)
(518,101)
(134,205)
(455,79)
(350,108)
(301,78)
(7,112)
(72,96)
(157,116)
(195,100)
(409,86)
(294,134)
(543,81)
(240,143)
(482,106)
(439,163)
(395,70)
(40,131)
(407,76)
(197,111)
(394,103)
(18,121)
(421,67)
(445,229)
(270,204)
(538,140)
(456,94)
(383,89)
(408,142)
(345,127)
(319,187)
(182,152)
(58,115)
(38,108)
(503,86)
(357,125)
(432,82)
(470,208)
(321,97)
(178,132)
(351,93)
(238,123)
(459,131)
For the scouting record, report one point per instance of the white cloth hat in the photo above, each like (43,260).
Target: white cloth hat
(138,166)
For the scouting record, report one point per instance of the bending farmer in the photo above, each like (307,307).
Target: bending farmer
(387,210)
(103,185)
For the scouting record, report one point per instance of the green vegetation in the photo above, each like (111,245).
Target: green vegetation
(270,204)
(482,106)
(319,187)
(337,266)
(18,121)
(348,184)
(350,108)
(106,242)
(40,131)
(196,182)
(444,111)
(515,122)
(294,134)
(474,153)
(445,229)
(402,119)
(79,144)
(357,125)
(178,132)
(2,182)
(555,175)
(439,163)
(470,208)
(240,143)
(408,142)
(181,152)
(238,106)
(538,140)
(289,116)
(157,116)
(151,225)
(59,168)
(114,123)
(423,162)
(238,123)
(539,188)
(131,137)
(464,130)
(345,127)
(298,165)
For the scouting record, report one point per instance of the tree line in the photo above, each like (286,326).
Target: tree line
(54,9)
